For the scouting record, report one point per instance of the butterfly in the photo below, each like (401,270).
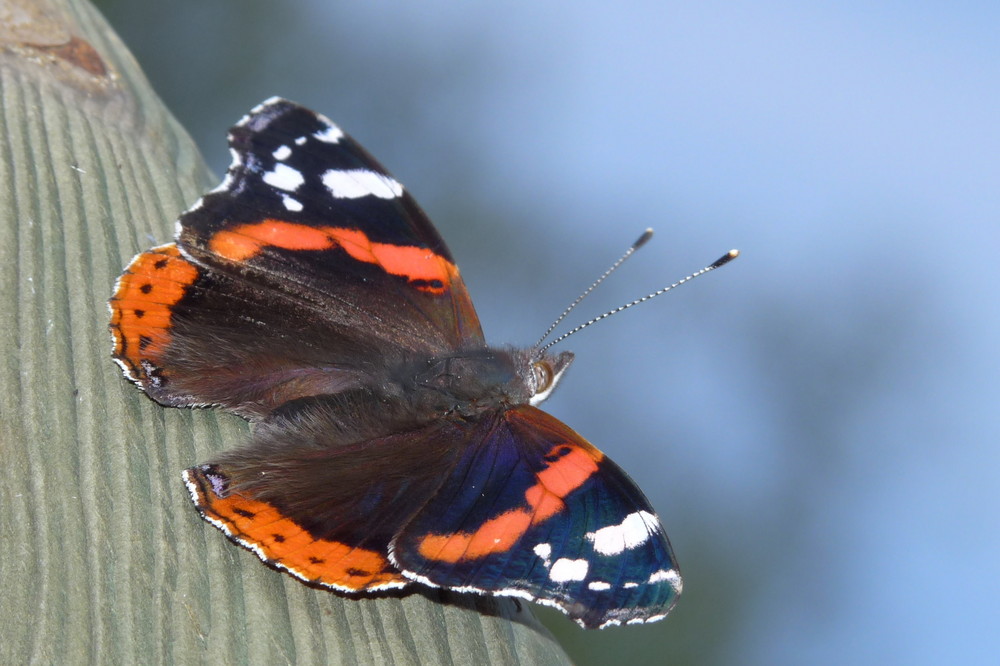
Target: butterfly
(392,446)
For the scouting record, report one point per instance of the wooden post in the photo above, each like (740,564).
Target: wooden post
(102,557)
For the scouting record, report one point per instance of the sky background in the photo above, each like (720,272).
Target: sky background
(816,423)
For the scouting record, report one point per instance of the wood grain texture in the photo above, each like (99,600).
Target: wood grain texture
(102,557)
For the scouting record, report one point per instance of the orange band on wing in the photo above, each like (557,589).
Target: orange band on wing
(140,308)
(431,271)
(570,467)
(279,540)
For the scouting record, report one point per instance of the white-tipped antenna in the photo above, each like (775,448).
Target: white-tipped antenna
(646,235)
(718,263)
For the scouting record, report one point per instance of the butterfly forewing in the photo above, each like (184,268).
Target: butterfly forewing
(307,210)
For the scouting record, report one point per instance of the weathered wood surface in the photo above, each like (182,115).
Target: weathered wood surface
(102,558)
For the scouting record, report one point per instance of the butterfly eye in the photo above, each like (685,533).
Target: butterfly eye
(543,377)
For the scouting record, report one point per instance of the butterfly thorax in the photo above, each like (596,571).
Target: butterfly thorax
(470,382)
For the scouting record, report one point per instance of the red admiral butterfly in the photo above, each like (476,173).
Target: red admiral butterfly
(310,294)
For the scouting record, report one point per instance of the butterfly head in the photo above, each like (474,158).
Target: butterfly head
(545,371)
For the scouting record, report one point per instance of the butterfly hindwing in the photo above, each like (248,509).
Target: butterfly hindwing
(531,509)
(312,495)
(282,542)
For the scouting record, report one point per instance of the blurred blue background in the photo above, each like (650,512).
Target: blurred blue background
(816,423)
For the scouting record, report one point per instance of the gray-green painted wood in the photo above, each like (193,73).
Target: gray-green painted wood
(102,558)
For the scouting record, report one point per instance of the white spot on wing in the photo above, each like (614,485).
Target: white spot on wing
(291,204)
(357,183)
(284,177)
(331,134)
(669,575)
(270,101)
(544,551)
(565,570)
(599,586)
(300,141)
(631,533)
(282,153)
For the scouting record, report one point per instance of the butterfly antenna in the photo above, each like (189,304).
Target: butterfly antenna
(646,235)
(718,263)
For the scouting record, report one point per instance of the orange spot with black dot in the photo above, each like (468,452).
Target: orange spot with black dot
(568,466)
(280,540)
(425,269)
(141,306)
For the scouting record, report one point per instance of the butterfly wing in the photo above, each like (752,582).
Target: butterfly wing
(531,509)
(306,209)
(307,270)
(510,503)
(307,499)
